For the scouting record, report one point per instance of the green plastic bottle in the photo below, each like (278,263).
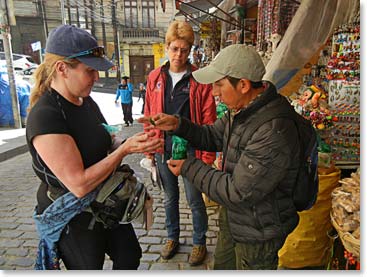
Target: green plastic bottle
(221,109)
(179,148)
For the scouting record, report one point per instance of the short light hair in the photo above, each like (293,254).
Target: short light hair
(180,30)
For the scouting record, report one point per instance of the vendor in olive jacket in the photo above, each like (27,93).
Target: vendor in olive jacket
(255,186)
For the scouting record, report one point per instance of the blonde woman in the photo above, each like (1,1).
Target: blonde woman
(171,89)
(72,154)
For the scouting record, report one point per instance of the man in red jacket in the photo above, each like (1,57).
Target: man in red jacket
(171,89)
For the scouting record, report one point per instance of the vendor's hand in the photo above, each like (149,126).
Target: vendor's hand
(160,121)
(142,142)
(175,166)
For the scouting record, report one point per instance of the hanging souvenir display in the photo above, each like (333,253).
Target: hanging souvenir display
(311,103)
(274,17)
(343,73)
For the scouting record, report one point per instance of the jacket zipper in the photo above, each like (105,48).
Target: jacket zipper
(228,139)
(162,99)
(194,106)
(254,213)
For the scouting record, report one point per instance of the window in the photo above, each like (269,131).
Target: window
(77,16)
(131,13)
(148,13)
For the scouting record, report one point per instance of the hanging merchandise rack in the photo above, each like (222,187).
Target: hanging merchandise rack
(343,73)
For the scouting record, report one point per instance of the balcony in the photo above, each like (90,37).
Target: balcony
(131,35)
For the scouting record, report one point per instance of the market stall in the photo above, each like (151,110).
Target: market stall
(311,49)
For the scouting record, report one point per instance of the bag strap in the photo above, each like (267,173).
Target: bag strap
(261,119)
(115,180)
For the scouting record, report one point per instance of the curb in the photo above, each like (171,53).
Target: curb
(13,152)
(13,147)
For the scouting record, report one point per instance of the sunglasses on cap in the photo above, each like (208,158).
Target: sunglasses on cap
(96,52)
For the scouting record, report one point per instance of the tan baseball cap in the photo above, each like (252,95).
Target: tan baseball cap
(237,61)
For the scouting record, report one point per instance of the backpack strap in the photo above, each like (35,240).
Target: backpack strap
(116,180)
(119,183)
(261,119)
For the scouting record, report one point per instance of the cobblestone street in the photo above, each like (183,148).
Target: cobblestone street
(19,240)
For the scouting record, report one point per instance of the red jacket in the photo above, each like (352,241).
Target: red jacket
(202,105)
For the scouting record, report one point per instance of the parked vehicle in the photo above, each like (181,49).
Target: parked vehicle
(20,61)
(27,74)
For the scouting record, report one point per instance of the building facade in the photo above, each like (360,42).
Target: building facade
(132,31)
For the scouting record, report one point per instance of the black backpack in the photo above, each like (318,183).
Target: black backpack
(307,185)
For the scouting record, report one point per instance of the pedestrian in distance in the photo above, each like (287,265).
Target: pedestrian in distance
(124,91)
(142,92)
(72,154)
(255,185)
(172,89)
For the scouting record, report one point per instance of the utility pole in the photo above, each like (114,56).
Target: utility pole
(86,15)
(6,37)
(93,27)
(44,18)
(104,33)
(62,8)
(69,11)
(77,16)
(116,40)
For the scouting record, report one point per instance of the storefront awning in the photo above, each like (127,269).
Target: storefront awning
(188,9)
(191,9)
(196,6)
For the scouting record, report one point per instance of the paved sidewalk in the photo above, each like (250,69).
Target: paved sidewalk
(18,237)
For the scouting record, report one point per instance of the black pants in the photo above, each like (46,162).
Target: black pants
(85,249)
(128,113)
(142,108)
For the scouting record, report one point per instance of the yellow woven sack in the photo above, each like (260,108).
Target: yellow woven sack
(309,245)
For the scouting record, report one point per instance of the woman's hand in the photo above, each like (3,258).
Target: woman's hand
(160,121)
(175,166)
(142,142)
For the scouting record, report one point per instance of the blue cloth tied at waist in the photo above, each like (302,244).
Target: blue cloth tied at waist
(51,223)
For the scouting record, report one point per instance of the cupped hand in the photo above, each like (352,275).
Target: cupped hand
(175,166)
(142,142)
(161,121)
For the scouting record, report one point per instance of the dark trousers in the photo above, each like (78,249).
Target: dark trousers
(142,108)
(231,255)
(85,249)
(128,113)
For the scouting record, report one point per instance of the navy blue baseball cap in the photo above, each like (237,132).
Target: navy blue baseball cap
(75,43)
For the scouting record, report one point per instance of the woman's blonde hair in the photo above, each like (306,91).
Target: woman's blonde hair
(180,30)
(44,75)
